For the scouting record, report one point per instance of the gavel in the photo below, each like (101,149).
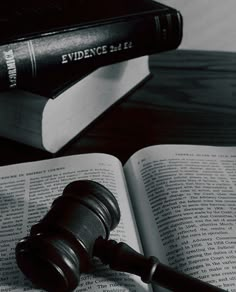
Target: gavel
(76,228)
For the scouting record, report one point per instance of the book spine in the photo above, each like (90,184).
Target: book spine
(24,61)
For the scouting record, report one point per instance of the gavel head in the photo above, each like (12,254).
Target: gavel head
(60,246)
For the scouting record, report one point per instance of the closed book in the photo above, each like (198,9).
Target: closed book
(90,33)
(50,123)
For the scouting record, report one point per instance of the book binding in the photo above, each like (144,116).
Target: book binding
(28,59)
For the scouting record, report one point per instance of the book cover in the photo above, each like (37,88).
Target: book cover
(37,120)
(84,34)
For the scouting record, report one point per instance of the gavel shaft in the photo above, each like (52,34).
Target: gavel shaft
(121,257)
(176,281)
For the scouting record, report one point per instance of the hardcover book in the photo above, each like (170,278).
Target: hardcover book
(49,119)
(177,203)
(35,43)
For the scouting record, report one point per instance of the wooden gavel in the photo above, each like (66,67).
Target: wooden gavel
(77,228)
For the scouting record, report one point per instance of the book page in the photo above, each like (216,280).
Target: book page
(187,197)
(26,193)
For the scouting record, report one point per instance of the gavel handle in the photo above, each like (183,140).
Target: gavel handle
(121,257)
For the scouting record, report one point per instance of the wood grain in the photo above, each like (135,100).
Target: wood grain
(190,99)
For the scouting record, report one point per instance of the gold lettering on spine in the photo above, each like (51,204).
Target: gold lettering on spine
(84,54)
(96,51)
(11,67)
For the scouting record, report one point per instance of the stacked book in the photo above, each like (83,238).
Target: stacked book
(64,63)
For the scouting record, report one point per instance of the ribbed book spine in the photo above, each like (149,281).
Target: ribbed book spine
(23,61)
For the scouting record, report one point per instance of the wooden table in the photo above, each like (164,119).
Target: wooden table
(191,99)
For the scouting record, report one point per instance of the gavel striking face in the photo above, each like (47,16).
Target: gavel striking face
(60,246)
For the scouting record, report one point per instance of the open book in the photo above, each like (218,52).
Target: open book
(177,203)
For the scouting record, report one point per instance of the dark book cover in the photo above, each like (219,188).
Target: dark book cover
(39,43)
(19,19)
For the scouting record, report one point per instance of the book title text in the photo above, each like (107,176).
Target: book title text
(96,51)
(11,67)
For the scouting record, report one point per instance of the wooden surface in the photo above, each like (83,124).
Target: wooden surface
(191,99)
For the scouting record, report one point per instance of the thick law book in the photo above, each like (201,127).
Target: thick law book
(49,121)
(177,203)
(85,34)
